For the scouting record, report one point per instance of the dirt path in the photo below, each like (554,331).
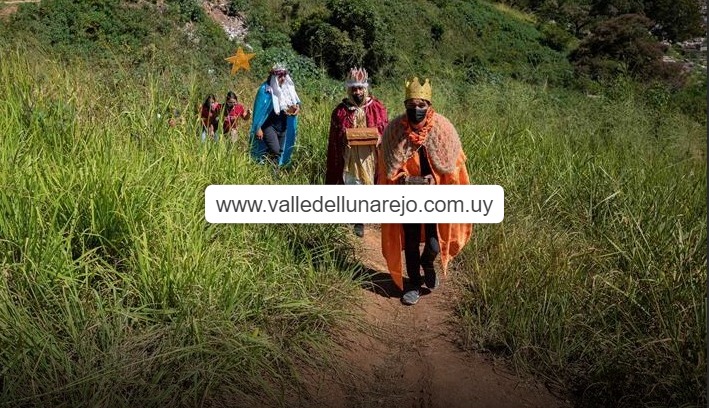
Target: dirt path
(7,8)
(407,356)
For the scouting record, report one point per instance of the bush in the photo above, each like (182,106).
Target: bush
(555,37)
(692,99)
(328,46)
(237,6)
(509,47)
(351,34)
(301,68)
(94,29)
(275,39)
(624,44)
(437,31)
(189,10)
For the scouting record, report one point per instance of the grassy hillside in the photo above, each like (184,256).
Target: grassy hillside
(453,39)
(456,39)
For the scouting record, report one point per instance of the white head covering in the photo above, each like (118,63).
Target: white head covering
(283,96)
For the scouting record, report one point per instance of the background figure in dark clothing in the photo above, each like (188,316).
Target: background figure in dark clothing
(274,134)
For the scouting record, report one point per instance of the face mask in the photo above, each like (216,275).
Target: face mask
(358,99)
(415,115)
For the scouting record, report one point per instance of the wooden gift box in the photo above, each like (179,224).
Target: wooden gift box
(362,136)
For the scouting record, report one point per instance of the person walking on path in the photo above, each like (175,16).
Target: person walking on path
(234,112)
(353,162)
(275,118)
(421,147)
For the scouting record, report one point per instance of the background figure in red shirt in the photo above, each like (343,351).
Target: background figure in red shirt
(209,114)
(233,112)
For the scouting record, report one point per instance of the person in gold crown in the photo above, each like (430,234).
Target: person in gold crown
(354,162)
(421,147)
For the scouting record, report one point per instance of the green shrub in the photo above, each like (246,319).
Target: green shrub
(301,68)
(328,46)
(351,34)
(555,37)
(238,6)
(437,31)
(624,44)
(188,10)
(692,98)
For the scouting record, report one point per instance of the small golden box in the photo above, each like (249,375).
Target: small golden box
(362,136)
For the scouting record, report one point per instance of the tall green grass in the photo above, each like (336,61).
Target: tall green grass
(596,277)
(114,291)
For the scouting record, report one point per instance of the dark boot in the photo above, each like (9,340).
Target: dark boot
(412,291)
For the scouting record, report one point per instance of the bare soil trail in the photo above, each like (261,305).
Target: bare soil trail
(408,357)
(7,8)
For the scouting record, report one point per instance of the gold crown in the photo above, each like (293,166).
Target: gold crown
(415,90)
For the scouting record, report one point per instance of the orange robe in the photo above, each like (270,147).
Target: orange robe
(447,160)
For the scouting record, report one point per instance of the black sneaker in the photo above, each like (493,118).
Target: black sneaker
(411,297)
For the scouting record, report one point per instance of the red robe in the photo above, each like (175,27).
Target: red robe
(341,119)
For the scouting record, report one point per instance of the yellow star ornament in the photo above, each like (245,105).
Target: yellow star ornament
(239,60)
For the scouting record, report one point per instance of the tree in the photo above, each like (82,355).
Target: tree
(676,20)
(574,15)
(328,46)
(615,8)
(624,44)
(351,34)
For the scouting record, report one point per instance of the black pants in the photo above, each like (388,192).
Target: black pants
(416,260)
(275,142)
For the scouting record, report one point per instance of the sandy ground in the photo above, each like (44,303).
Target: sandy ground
(407,355)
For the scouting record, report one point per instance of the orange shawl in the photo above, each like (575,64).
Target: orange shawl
(397,159)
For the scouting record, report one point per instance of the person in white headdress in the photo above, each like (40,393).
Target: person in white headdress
(275,118)
(354,161)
